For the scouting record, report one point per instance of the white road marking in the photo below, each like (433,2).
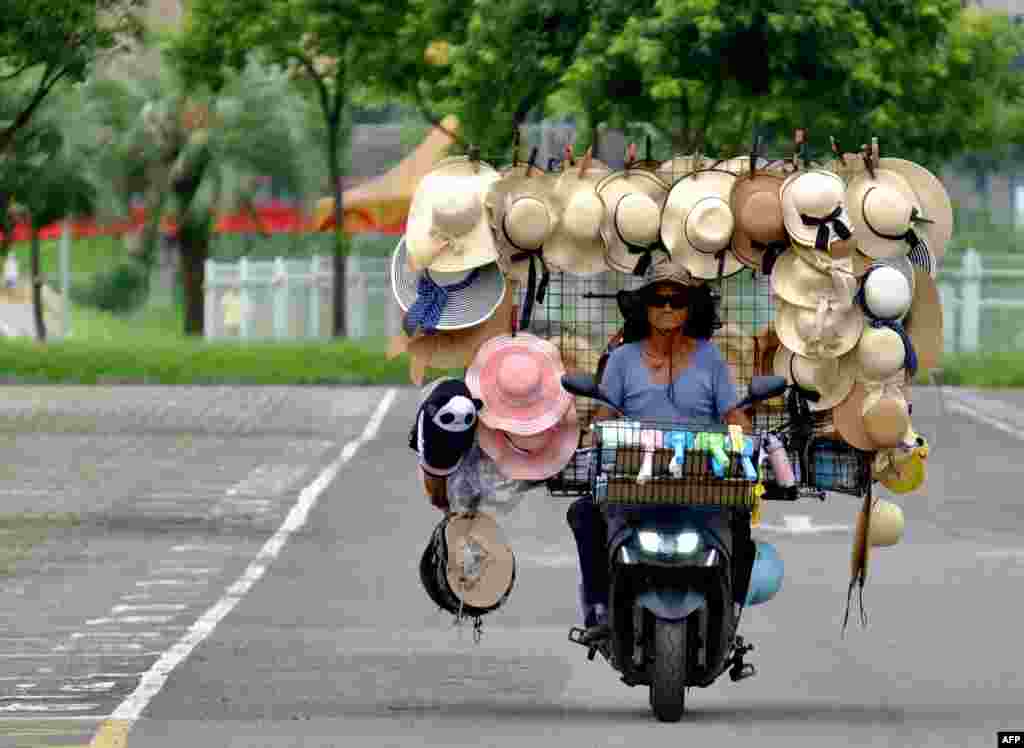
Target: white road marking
(129,619)
(801,524)
(198,571)
(106,685)
(39,697)
(194,548)
(116,635)
(30,707)
(960,404)
(169,583)
(150,607)
(153,681)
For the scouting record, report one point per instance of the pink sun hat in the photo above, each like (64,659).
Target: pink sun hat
(519,378)
(534,457)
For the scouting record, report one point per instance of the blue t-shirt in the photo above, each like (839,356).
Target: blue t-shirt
(704,391)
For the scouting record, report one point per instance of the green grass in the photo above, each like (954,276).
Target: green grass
(20,532)
(986,370)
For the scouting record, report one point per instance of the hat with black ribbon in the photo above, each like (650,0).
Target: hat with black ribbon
(435,301)
(634,199)
(523,218)
(813,208)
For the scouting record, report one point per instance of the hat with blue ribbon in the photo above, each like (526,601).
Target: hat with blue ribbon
(886,214)
(434,301)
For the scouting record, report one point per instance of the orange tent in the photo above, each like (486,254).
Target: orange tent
(382,204)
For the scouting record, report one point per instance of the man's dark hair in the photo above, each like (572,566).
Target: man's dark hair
(701,322)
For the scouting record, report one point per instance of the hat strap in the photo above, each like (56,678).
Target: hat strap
(910,357)
(533,290)
(431,299)
(646,253)
(821,240)
(771,251)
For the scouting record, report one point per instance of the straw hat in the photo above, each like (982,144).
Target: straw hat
(802,276)
(813,208)
(577,244)
(829,331)
(697,223)
(447,229)
(757,207)
(536,456)
(523,217)
(832,378)
(924,321)
(633,201)
(886,525)
(676,168)
(519,378)
(890,218)
(470,296)
(935,206)
(738,349)
(579,357)
(887,288)
(451,350)
(881,353)
(886,412)
(479,565)
(903,469)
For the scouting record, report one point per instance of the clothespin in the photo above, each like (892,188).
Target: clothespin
(515,146)
(874,150)
(647,148)
(698,161)
(754,154)
(585,161)
(630,155)
(474,157)
(533,159)
(866,155)
(569,159)
(800,148)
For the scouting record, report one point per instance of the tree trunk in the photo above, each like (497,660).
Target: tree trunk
(340,245)
(194,250)
(37,288)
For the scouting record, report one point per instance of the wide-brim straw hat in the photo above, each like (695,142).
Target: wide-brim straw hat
(881,354)
(832,379)
(451,350)
(890,218)
(757,208)
(936,207)
(468,535)
(448,229)
(579,357)
(632,304)
(577,245)
(519,378)
(465,307)
(523,217)
(535,457)
(633,200)
(802,276)
(873,416)
(738,349)
(817,194)
(924,322)
(830,331)
(697,223)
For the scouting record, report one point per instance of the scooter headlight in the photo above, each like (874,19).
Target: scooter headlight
(655,542)
(650,541)
(687,542)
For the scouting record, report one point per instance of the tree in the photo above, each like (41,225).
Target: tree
(342,47)
(710,72)
(45,42)
(46,180)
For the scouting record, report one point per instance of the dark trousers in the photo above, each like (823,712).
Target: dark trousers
(591,533)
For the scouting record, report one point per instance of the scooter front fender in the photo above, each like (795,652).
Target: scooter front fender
(670,604)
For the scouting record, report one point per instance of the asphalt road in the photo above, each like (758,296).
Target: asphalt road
(337,644)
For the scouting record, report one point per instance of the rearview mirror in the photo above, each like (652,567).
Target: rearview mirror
(765,388)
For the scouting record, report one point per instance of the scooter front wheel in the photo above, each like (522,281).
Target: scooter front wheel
(668,684)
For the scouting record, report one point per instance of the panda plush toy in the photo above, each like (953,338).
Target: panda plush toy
(445,426)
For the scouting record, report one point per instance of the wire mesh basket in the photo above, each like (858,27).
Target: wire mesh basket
(666,463)
(834,465)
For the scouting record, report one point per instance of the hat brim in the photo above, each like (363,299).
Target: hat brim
(846,329)
(538,187)
(848,419)
(496,576)
(684,194)
(795,227)
(611,190)
(466,308)
(540,465)
(477,247)
(885,432)
(868,242)
(924,323)
(742,242)
(935,203)
(801,283)
(782,367)
(565,252)
(481,378)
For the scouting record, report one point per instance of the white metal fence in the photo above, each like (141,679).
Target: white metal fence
(284,299)
(983,302)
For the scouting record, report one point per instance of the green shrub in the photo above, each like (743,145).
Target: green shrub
(121,289)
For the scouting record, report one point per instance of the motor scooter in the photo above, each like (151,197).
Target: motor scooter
(677,588)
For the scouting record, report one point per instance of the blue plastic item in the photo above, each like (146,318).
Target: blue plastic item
(746,459)
(679,441)
(766,576)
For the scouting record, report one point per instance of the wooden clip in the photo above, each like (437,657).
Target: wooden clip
(754,154)
(868,162)
(874,151)
(799,148)
(568,157)
(532,161)
(515,147)
(647,148)
(474,157)
(630,155)
(585,161)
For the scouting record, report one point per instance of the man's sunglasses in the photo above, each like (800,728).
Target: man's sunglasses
(676,301)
